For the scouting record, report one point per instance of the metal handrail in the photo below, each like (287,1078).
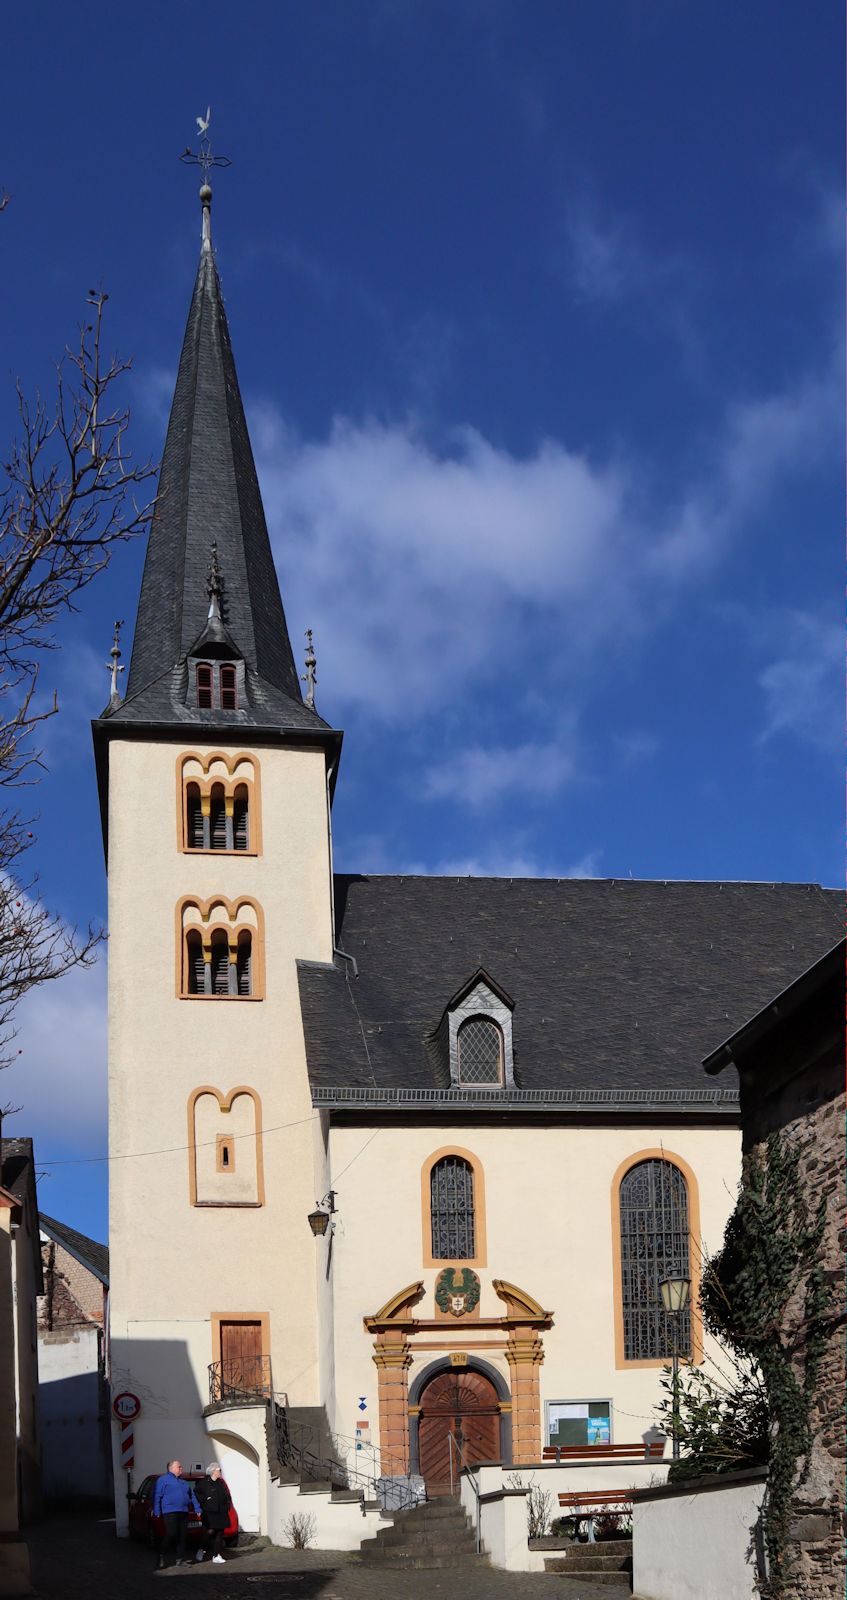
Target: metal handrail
(241,1381)
(469,1474)
(330,1469)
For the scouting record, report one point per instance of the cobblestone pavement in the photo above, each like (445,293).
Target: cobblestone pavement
(80,1559)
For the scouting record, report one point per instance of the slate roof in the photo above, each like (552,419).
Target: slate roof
(208,492)
(87,1251)
(618,986)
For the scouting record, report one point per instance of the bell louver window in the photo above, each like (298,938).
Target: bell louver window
(240,821)
(244,964)
(220,964)
(217,828)
(196,964)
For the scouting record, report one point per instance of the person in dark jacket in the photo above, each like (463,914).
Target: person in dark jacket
(215,1501)
(172,1501)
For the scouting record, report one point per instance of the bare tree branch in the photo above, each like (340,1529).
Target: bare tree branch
(69,493)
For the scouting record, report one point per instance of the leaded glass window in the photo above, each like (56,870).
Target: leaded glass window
(452,1210)
(480,1047)
(654,1242)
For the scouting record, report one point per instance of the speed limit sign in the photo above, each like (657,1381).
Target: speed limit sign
(126,1407)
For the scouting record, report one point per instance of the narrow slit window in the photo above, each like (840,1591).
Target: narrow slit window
(204,687)
(195,964)
(217,818)
(226,1153)
(241,819)
(229,700)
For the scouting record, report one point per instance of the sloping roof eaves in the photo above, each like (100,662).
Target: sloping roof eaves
(89,1254)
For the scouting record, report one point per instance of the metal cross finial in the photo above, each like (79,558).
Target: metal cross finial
(113,667)
(204,159)
(214,582)
(310,676)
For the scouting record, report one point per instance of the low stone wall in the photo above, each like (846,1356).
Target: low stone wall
(698,1540)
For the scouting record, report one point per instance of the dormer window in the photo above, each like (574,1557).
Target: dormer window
(217,686)
(479,1049)
(475,1036)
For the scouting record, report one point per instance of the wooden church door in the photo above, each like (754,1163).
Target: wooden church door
(463,1404)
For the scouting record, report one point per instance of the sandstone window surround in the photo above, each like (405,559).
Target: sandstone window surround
(453,1208)
(225,1165)
(218,803)
(655,1228)
(220,949)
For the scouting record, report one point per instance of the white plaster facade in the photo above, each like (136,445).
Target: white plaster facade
(175,1264)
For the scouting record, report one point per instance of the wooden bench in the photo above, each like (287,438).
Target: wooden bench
(566,1454)
(586,1505)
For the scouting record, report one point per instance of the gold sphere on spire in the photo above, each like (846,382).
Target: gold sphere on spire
(205,193)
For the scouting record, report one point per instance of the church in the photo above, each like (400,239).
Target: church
(398,1164)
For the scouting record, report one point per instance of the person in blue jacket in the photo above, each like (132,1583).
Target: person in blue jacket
(172,1501)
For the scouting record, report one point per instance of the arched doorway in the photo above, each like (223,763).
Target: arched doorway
(462,1403)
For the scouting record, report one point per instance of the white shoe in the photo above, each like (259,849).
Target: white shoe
(217,1558)
(200,1555)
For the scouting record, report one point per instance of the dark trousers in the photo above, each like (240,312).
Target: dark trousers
(176,1523)
(213,1540)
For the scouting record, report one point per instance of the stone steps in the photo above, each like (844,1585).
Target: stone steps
(610,1559)
(434,1535)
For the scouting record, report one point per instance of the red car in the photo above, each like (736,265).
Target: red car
(143,1524)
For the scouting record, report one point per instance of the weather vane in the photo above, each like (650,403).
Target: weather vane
(113,667)
(204,159)
(310,676)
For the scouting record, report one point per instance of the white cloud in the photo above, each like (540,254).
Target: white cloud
(477,776)
(427,570)
(504,863)
(803,685)
(59,1077)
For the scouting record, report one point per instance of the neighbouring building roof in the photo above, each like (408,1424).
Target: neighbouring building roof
(619,988)
(86,1251)
(821,985)
(17,1174)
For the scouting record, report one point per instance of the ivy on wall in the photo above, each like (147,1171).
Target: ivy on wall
(766,1298)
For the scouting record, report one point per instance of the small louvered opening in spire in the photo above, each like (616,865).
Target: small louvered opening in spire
(204,687)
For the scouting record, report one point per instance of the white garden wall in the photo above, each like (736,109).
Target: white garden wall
(697,1541)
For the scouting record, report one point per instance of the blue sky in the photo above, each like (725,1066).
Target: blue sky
(536,309)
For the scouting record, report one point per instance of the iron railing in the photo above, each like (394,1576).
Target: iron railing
(245,1381)
(347,1464)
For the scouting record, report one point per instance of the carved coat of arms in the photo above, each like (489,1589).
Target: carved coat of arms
(457,1291)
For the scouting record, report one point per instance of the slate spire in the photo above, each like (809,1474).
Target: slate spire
(209,496)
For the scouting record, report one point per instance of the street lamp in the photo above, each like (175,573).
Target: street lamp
(676,1290)
(319,1219)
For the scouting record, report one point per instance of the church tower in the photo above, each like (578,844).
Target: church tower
(215,782)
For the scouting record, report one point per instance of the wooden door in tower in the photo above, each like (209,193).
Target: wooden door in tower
(242,1362)
(465,1405)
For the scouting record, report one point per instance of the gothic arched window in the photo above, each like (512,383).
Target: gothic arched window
(653,1201)
(452,1210)
(479,1044)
